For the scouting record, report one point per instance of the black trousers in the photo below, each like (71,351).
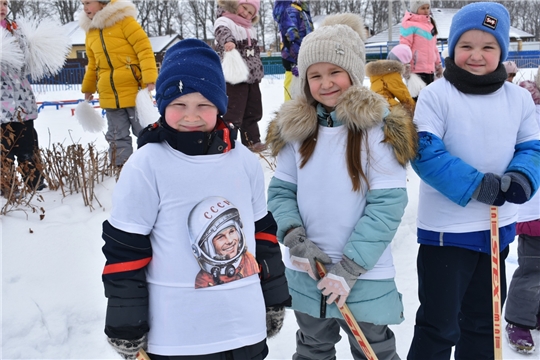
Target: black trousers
(454,288)
(245,110)
(20,141)
(256,351)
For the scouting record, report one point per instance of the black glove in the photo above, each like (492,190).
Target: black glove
(516,187)
(489,191)
(274,320)
(128,349)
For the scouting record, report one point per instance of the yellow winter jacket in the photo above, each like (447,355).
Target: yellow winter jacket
(385,78)
(120,57)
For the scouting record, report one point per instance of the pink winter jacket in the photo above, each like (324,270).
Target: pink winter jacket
(415,32)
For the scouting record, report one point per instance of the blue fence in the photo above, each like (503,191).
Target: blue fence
(70,78)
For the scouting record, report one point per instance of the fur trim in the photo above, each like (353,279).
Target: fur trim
(415,84)
(11,55)
(108,16)
(401,133)
(235,69)
(383,67)
(358,108)
(147,113)
(232,6)
(351,20)
(48,47)
(88,117)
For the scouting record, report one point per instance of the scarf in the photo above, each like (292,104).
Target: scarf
(469,83)
(240,21)
(218,141)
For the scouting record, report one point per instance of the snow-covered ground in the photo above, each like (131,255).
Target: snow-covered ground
(53,305)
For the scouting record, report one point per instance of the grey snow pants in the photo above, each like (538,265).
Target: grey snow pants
(118,134)
(316,339)
(523,301)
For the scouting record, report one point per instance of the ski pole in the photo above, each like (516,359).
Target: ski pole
(142,355)
(351,322)
(496,282)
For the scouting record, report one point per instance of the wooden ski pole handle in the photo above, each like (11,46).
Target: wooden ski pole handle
(351,322)
(142,355)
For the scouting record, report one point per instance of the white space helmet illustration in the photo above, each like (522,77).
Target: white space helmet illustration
(206,220)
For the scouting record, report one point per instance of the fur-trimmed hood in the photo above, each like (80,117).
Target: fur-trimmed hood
(358,108)
(115,11)
(231,6)
(383,67)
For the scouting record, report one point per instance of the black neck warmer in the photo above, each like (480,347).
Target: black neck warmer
(219,141)
(469,83)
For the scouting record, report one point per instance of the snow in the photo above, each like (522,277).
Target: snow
(53,306)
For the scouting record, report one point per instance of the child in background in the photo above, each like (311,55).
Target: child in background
(511,70)
(22,44)
(339,192)
(184,230)
(294,23)
(418,31)
(386,77)
(522,310)
(120,62)
(233,29)
(479,147)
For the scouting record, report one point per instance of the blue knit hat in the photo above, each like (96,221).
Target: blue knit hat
(490,17)
(191,66)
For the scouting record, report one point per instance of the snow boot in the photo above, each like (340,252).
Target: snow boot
(519,339)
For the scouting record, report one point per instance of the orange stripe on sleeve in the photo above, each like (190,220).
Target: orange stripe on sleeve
(266,236)
(126,266)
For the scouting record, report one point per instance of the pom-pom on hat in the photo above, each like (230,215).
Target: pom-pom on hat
(339,41)
(191,66)
(416,4)
(490,17)
(401,53)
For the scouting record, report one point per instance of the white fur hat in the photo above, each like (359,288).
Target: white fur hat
(339,41)
(415,4)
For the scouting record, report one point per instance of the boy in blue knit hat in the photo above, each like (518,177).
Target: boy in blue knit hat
(193,265)
(478,147)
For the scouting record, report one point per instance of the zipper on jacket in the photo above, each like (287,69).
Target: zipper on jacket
(110,67)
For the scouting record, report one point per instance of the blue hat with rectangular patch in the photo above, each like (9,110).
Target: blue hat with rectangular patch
(490,17)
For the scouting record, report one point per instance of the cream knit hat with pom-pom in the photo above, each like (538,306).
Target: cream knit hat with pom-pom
(339,41)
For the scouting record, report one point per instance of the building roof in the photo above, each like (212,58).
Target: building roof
(159,43)
(443,19)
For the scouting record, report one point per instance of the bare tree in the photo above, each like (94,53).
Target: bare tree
(66,10)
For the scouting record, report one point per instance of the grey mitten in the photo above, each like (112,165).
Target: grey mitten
(339,281)
(489,191)
(304,253)
(129,349)
(516,187)
(274,320)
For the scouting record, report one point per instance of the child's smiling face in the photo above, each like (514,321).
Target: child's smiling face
(477,52)
(191,112)
(327,82)
(246,11)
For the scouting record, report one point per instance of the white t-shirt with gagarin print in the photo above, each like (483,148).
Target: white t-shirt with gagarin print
(200,212)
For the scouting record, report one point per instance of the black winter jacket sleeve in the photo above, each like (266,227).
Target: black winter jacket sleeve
(124,279)
(268,254)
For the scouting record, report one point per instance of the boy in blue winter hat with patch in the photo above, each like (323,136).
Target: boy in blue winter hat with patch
(182,238)
(479,146)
